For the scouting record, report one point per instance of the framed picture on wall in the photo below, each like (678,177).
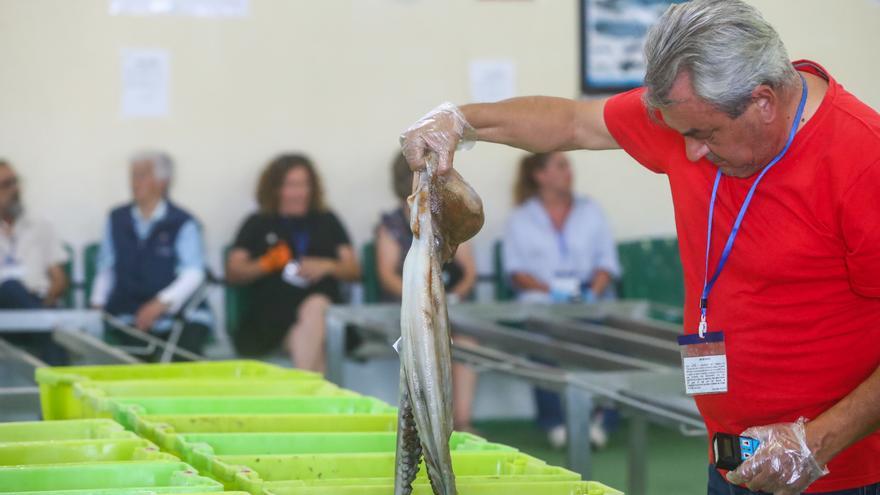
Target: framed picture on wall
(613,36)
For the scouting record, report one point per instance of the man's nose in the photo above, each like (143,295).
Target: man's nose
(695,149)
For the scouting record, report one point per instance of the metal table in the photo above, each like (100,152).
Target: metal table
(72,329)
(19,394)
(613,351)
(41,320)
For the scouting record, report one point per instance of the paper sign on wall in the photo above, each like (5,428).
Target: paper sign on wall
(492,80)
(145,75)
(194,8)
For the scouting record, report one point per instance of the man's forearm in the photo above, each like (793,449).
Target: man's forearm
(541,123)
(848,421)
(57,285)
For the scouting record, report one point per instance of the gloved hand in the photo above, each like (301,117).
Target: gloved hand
(275,258)
(440,132)
(783,463)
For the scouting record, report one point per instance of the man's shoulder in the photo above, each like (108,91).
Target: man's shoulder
(122,209)
(181,212)
(851,137)
(37,224)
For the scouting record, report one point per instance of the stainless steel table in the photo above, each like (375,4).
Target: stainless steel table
(621,352)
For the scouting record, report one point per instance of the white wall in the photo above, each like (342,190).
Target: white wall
(336,78)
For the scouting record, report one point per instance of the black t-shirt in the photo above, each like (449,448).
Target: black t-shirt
(273,304)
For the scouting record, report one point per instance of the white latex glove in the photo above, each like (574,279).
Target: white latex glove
(440,133)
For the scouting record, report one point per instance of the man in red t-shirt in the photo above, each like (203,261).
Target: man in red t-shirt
(786,155)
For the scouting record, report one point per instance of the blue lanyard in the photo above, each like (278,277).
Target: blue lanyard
(301,244)
(728,247)
(561,244)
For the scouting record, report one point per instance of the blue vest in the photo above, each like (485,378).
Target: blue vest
(143,267)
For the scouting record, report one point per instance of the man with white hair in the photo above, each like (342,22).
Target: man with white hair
(775,175)
(151,259)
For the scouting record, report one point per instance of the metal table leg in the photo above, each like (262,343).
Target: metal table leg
(19,403)
(637,465)
(578,410)
(334,346)
(95,351)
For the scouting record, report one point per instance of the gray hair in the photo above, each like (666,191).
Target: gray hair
(163,165)
(726,46)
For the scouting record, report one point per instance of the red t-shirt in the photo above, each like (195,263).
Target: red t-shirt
(799,298)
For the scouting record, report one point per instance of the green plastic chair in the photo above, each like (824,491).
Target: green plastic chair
(90,269)
(652,271)
(370,274)
(68,298)
(237,300)
(503,290)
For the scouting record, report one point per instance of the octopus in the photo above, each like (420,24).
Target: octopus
(444,212)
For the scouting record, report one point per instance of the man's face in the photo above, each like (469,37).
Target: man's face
(9,191)
(144,184)
(738,147)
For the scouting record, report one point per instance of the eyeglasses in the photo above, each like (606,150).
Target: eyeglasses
(9,183)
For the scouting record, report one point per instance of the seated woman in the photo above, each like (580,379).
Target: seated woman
(558,247)
(393,239)
(292,254)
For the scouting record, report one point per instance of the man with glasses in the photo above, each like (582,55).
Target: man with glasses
(31,255)
(31,274)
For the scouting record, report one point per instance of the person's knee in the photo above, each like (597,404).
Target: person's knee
(315,305)
(14,295)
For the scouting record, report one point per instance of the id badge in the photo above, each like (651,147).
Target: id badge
(564,288)
(704,361)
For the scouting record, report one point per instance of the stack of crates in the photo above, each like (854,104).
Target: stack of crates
(266,430)
(90,457)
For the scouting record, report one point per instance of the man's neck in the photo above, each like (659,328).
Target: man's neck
(148,206)
(783,127)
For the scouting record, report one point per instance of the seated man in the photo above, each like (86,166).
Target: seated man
(31,256)
(31,259)
(151,261)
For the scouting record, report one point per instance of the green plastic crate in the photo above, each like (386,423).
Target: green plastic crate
(117,478)
(163,428)
(41,431)
(78,451)
(251,473)
(464,488)
(95,396)
(56,383)
(199,449)
(125,410)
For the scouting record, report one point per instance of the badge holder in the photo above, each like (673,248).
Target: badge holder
(704,361)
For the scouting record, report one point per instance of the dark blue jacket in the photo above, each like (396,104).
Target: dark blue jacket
(142,267)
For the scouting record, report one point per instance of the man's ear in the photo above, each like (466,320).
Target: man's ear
(766,101)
